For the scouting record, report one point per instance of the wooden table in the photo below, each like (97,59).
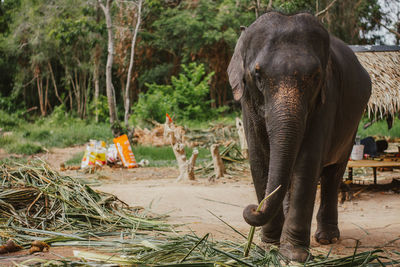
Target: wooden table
(374,164)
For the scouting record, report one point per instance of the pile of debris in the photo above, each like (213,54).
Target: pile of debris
(221,134)
(36,197)
(153,137)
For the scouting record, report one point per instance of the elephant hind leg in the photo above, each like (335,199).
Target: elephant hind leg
(327,217)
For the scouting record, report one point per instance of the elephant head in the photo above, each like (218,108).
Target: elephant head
(279,67)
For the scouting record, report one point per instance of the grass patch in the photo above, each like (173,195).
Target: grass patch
(74,132)
(379,128)
(14,144)
(53,131)
(164,156)
(24,148)
(76,159)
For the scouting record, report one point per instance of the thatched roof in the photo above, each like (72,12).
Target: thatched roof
(383,66)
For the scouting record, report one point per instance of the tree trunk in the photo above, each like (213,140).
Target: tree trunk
(186,167)
(96,92)
(269,7)
(219,168)
(96,72)
(54,83)
(128,80)
(39,85)
(109,86)
(70,100)
(257,8)
(46,98)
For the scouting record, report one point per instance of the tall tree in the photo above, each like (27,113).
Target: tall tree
(128,79)
(112,106)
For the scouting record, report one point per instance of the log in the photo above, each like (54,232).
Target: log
(219,168)
(242,138)
(176,138)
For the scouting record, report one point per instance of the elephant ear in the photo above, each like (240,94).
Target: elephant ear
(236,70)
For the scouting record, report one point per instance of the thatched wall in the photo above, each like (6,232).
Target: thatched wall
(384,70)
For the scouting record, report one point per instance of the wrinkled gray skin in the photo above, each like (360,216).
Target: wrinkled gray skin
(303,93)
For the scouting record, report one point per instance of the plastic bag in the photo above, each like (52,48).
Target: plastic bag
(112,154)
(125,151)
(95,154)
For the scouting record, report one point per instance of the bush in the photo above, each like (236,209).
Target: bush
(186,98)
(9,121)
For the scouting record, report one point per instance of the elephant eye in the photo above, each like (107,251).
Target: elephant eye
(257,70)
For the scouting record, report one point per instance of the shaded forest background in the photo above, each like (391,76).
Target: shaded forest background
(53,53)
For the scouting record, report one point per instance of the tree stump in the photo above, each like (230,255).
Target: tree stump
(242,138)
(219,168)
(176,139)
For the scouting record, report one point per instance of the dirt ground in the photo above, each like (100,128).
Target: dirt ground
(372,217)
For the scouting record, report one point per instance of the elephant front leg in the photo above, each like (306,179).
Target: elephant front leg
(327,218)
(295,240)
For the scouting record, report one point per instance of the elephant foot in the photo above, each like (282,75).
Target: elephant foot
(327,234)
(295,252)
(267,241)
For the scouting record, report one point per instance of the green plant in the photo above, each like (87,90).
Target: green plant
(187,97)
(102,109)
(9,121)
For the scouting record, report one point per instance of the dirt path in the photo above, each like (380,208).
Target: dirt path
(372,217)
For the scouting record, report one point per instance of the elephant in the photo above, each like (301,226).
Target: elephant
(302,93)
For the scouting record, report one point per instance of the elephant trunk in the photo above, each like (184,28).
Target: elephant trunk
(285,125)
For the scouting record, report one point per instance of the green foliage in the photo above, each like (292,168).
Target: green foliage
(151,106)
(379,128)
(348,20)
(9,121)
(102,109)
(189,28)
(69,38)
(186,98)
(295,6)
(158,74)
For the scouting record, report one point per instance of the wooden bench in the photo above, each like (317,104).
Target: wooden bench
(374,164)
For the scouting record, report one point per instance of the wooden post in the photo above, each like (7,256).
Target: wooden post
(176,139)
(242,138)
(219,168)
